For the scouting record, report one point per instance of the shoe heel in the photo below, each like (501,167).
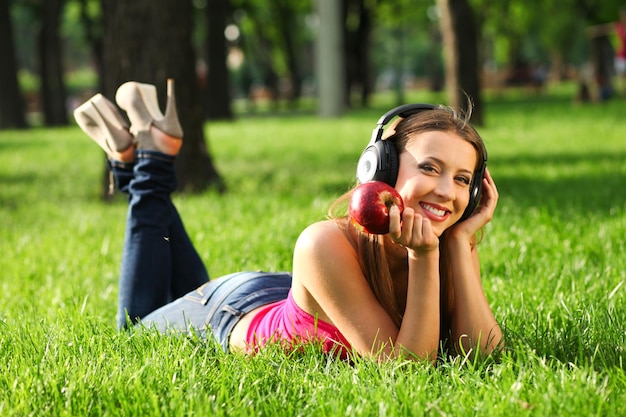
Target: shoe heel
(169,122)
(141,103)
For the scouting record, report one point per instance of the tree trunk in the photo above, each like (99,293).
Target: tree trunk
(459,32)
(602,56)
(53,94)
(357,51)
(149,41)
(286,19)
(329,59)
(217,83)
(94,39)
(364,46)
(11,101)
(260,51)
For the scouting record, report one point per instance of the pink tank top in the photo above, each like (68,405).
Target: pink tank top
(286,321)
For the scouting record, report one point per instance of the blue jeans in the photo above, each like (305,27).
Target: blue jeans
(160,264)
(218,305)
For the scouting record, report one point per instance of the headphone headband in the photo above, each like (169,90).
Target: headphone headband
(402,111)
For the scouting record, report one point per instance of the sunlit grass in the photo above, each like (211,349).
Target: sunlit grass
(552,260)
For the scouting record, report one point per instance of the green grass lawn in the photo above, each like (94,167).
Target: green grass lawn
(553,268)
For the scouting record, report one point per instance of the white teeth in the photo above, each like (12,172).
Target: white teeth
(433,210)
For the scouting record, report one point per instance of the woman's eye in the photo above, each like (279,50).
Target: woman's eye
(463,180)
(427,167)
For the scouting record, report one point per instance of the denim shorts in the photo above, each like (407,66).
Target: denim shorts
(219,304)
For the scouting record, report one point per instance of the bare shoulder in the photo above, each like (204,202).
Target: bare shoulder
(328,282)
(322,261)
(323,236)
(325,244)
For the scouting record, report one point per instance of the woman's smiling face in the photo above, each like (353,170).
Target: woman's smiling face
(434,177)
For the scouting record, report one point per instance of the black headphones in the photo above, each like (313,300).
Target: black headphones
(379,161)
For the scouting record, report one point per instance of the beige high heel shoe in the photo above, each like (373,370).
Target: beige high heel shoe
(101,121)
(141,104)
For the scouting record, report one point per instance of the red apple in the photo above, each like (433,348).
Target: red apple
(370,204)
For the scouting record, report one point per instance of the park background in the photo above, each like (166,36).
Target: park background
(552,259)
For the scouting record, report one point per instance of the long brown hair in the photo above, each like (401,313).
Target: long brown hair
(371,248)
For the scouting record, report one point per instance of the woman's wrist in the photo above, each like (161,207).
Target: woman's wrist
(424,254)
(455,237)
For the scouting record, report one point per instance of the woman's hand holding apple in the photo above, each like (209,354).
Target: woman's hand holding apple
(370,204)
(412,230)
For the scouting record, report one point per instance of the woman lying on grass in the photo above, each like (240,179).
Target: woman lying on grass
(401,294)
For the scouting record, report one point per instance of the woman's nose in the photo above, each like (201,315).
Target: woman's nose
(445,188)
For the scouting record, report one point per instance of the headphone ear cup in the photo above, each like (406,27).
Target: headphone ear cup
(475,193)
(368,164)
(393,163)
(378,162)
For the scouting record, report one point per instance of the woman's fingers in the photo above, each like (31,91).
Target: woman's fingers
(491,195)
(395,223)
(414,231)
